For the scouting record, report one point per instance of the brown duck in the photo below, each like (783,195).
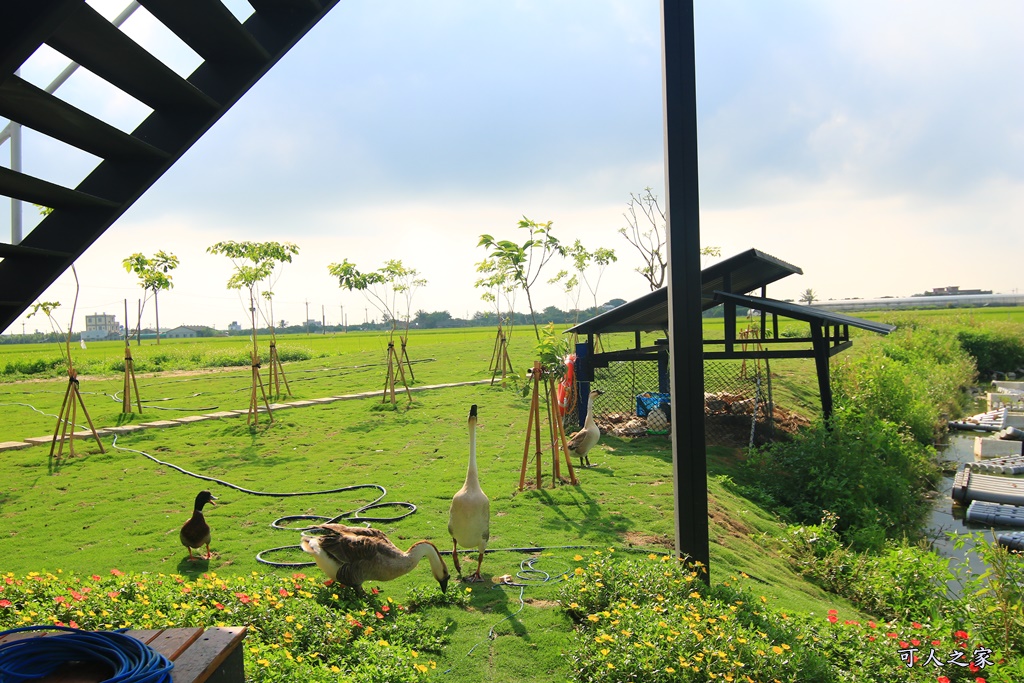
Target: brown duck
(195,533)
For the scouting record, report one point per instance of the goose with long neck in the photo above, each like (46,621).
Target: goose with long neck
(582,441)
(195,533)
(469,518)
(352,555)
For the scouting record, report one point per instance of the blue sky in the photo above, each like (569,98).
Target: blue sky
(877,145)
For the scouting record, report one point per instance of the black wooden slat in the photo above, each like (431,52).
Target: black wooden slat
(99,46)
(270,7)
(23,102)
(208,28)
(24,27)
(18,251)
(30,189)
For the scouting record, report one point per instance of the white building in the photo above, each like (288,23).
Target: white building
(101,326)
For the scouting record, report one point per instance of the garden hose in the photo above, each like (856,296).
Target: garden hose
(131,660)
(351,516)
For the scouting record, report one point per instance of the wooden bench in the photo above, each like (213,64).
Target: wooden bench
(210,655)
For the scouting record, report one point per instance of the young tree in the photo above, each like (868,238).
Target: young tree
(808,296)
(521,264)
(385,289)
(647,232)
(589,267)
(255,262)
(154,275)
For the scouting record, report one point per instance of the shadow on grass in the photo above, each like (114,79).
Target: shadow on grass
(590,518)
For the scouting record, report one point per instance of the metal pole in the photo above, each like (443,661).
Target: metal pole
(686,364)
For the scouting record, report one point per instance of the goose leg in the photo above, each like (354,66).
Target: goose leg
(476,577)
(207,551)
(455,557)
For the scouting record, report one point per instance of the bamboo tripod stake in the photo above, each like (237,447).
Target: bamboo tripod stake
(277,371)
(556,435)
(129,382)
(389,382)
(68,415)
(129,372)
(405,355)
(499,357)
(254,405)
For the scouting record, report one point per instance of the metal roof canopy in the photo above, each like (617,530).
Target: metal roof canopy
(739,274)
(829,333)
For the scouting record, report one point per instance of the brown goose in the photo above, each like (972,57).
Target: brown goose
(195,533)
(352,555)
(469,519)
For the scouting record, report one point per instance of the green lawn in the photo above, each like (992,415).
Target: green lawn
(96,512)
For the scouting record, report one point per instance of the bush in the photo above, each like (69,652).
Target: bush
(861,468)
(995,349)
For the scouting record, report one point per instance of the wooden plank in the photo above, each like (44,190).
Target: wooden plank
(172,642)
(207,654)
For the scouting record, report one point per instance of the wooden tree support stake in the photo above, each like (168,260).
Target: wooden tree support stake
(390,381)
(129,382)
(67,416)
(405,355)
(277,372)
(500,361)
(555,433)
(254,405)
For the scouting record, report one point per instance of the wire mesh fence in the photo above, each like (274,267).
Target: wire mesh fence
(737,405)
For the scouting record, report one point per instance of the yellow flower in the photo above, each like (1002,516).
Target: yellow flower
(593,617)
(573,605)
(263,662)
(334,668)
(414,653)
(605,651)
(777,650)
(421,668)
(383,643)
(579,571)
(578,558)
(289,618)
(610,665)
(670,670)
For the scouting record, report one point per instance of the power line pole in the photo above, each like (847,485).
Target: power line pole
(307,317)
(323,320)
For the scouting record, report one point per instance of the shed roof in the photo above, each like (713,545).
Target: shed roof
(809,314)
(739,274)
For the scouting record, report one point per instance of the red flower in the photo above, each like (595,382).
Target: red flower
(329,582)
(904,645)
(872,624)
(915,642)
(891,635)
(374,591)
(298,575)
(833,618)
(73,624)
(973,668)
(961,635)
(117,572)
(941,679)
(833,611)
(917,625)
(385,608)
(243,598)
(95,577)
(979,679)
(59,599)
(871,638)
(283,593)
(218,605)
(378,615)
(935,642)
(5,603)
(112,594)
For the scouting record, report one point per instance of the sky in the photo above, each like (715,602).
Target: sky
(879,146)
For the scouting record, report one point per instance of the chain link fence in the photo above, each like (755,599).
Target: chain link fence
(737,406)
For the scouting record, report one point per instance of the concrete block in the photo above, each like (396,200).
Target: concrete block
(39,440)
(14,445)
(193,418)
(159,424)
(123,429)
(995,448)
(1015,420)
(224,413)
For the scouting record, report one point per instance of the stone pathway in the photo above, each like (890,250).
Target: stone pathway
(161,424)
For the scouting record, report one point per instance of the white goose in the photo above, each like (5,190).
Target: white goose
(354,554)
(469,519)
(582,441)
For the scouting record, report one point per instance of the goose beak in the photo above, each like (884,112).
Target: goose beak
(444,584)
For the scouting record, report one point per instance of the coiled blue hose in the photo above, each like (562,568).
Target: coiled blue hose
(132,661)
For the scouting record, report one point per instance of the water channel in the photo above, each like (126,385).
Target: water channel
(948,518)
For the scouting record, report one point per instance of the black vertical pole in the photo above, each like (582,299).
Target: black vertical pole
(684,281)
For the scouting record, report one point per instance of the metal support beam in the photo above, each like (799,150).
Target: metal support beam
(821,356)
(684,282)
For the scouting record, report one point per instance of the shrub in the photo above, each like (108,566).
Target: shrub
(995,349)
(861,468)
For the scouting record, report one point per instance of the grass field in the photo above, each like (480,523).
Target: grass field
(96,512)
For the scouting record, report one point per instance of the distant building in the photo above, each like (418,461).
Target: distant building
(101,326)
(181,332)
(954,291)
(233,326)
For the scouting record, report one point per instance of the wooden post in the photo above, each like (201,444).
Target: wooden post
(254,406)
(555,432)
(68,416)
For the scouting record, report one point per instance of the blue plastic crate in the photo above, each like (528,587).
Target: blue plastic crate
(647,402)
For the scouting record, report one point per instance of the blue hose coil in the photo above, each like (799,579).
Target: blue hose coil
(132,661)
